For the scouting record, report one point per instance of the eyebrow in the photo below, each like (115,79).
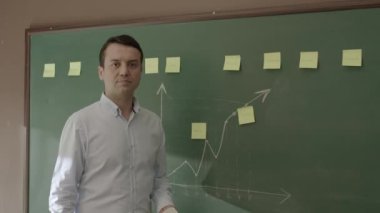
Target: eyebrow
(118,60)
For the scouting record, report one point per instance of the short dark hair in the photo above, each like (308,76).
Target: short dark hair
(126,40)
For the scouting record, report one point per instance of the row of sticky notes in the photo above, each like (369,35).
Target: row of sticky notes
(74,69)
(173,65)
(245,116)
(308,60)
(151,66)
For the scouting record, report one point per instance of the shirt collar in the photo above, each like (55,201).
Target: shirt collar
(108,104)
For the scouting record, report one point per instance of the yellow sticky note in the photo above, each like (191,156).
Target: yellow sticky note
(309,60)
(352,58)
(75,68)
(173,64)
(198,130)
(246,115)
(151,65)
(49,71)
(232,62)
(272,60)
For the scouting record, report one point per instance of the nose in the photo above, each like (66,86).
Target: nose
(124,70)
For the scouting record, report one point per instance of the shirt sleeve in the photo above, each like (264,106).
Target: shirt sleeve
(68,169)
(162,195)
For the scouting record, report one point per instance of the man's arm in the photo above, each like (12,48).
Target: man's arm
(162,192)
(68,169)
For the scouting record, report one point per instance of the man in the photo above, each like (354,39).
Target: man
(112,153)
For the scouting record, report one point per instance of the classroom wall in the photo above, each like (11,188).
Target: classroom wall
(18,15)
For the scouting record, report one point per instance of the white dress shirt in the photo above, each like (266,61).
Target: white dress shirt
(108,164)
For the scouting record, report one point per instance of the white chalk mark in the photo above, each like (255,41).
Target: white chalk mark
(215,153)
(161,90)
(283,194)
(261,93)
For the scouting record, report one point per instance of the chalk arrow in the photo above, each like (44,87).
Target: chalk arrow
(161,90)
(286,195)
(283,194)
(262,93)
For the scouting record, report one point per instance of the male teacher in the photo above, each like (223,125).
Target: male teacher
(111,156)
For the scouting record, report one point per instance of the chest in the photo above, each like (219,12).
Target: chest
(118,143)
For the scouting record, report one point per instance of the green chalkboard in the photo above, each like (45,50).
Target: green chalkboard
(314,145)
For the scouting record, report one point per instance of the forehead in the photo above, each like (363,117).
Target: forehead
(121,52)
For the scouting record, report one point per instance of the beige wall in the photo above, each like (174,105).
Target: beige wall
(13,21)
(18,15)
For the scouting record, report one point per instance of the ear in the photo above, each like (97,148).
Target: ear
(100,72)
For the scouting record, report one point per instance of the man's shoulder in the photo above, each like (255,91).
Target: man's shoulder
(89,108)
(86,112)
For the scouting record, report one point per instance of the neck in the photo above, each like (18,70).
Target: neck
(125,103)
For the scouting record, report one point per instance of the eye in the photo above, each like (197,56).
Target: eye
(115,64)
(133,65)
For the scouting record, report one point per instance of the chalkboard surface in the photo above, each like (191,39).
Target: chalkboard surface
(314,145)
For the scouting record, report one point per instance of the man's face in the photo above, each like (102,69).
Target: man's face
(121,72)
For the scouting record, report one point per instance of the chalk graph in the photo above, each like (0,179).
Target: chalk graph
(215,152)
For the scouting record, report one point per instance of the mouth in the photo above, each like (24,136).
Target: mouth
(125,81)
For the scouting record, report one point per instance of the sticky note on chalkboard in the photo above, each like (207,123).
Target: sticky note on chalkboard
(352,58)
(173,64)
(309,60)
(75,68)
(272,60)
(246,115)
(49,71)
(151,65)
(198,130)
(232,62)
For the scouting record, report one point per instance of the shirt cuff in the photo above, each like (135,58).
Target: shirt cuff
(168,209)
